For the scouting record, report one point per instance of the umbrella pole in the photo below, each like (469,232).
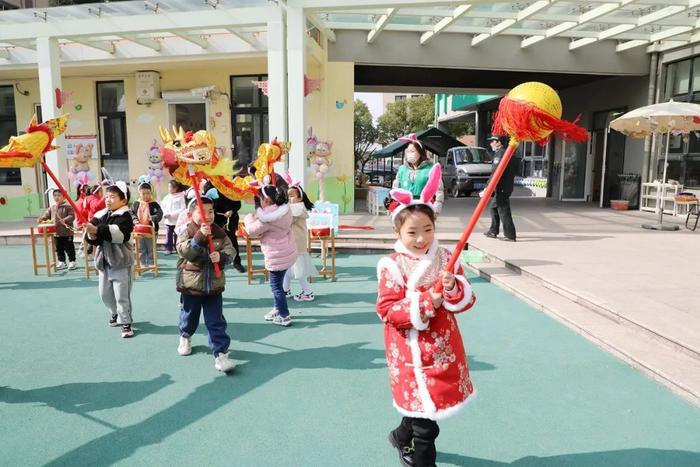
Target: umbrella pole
(663,180)
(662,201)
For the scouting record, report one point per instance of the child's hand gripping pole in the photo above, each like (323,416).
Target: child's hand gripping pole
(78,213)
(200,206)
(488,191)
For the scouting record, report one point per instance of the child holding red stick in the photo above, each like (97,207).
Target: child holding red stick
(428,369)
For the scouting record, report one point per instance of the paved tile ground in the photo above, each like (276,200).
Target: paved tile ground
(72,392)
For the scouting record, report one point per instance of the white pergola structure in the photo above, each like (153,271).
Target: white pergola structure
(658,24)
(156,31)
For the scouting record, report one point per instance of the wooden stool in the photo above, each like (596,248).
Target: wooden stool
(45,232)
(145,232)
(89,265)
(323,235)
(249,255)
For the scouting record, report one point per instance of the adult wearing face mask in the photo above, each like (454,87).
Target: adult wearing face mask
(413,174)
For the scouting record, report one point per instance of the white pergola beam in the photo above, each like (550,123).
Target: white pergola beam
(147,42)
(380,24)
(248,38)
(578,43)
(522,15)
(644,20)
(135,24)
(196,40)
(321,26)
(444,23)
(630,45)
(584,18)
(330,5)
(106,46)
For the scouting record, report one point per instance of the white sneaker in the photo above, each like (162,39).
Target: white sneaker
(288,293)
(223,363)
(61,265)
(270,315)
(280,321)
(71,265)
(185,346)
(304,297)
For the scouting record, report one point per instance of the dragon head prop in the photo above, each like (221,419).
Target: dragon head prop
(28,149)
(194,148)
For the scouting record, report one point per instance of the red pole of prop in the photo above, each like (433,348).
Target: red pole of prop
(200,205)
(488,191)
(78,213)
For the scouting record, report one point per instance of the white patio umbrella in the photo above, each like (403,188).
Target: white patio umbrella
(666,117)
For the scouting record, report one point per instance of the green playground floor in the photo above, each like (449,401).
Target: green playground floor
(72,392)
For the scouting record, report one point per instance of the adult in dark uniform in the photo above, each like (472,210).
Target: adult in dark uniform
(500,202)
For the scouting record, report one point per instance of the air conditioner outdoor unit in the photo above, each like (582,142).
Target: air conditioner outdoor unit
(147,86)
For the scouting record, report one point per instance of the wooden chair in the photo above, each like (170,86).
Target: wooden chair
(324,236)
(44,233)
(88,264)
(145,232)
(252,271)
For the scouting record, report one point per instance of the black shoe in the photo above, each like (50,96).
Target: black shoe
(239,267)
(405,451)
(490,234)
(127,332)
(508,239)
(113,321)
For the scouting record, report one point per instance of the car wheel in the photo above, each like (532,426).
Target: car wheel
(454,191)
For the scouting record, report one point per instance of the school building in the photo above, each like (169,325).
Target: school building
(251,70)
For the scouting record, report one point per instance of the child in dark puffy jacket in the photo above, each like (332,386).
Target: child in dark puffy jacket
(110,231)
(200,289)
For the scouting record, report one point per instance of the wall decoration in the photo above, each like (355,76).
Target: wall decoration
(81,148)
(310,85)
(3,200)
(63,98)
(27,192)
(340,104)
(219,114)
(78,107)
(145,118)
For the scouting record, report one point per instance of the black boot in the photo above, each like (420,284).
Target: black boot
(424,433)
(403,447)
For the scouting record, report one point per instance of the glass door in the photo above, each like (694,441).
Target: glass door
(573,172)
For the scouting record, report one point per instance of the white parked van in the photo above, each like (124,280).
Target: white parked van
(465,169)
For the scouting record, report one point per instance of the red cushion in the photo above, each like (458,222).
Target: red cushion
(321,232)
(143,229)
(48,228)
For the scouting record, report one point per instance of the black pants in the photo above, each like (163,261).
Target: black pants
(423,432)
(64,245)
(231,232)
(500,213)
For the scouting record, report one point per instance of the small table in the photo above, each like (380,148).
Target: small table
(324,238)
(46,233)
(252,271)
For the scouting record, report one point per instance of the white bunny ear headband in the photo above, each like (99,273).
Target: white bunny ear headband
(293,183)
(412,138)
(404,198)
(110,182)
(260,184)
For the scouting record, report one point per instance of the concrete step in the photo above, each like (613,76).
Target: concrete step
(645,351)
(589,303)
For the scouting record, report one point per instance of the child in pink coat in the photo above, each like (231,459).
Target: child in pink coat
(272,222)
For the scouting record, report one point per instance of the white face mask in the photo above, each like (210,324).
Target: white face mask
(412,158)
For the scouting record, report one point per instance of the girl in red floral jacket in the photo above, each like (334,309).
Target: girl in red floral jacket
(428,368)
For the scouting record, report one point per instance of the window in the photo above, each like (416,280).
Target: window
(399,97)
(249,117)
(8,128)
(188,115)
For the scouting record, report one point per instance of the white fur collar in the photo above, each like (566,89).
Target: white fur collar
(401,248)
(272,215)
(118,212)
